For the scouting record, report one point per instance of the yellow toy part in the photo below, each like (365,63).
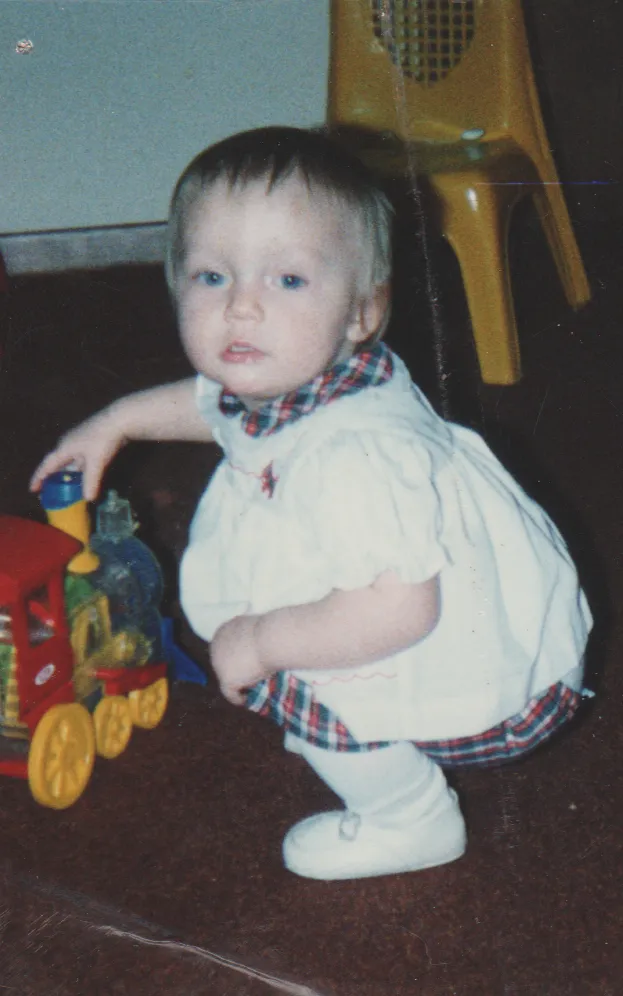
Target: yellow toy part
(113,725)
(74,520)
(10,725)
(61,755)
(95,646)
(444,90)
(129,647)
(90,638)
(148,705)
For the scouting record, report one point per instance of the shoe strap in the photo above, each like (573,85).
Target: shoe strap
(349,825)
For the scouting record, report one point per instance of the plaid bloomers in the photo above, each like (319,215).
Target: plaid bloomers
(291,703)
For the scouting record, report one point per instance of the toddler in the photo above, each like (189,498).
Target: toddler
(367,574)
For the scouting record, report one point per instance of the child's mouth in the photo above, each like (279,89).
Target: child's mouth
(241,352)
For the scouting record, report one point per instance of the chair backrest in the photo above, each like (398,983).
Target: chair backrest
(435,70)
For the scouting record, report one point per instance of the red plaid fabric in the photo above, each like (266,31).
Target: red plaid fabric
(542,716)
(291,703)
(369,368)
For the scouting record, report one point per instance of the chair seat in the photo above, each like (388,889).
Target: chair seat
(500,160)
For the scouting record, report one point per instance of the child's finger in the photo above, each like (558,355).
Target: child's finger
(91,477)
(233,695)
(37,477)
(53,462)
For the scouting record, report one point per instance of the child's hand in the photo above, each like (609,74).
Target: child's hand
(89,448)
(235,657)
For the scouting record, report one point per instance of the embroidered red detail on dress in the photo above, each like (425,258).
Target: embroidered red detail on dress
(269,480)
(351,677)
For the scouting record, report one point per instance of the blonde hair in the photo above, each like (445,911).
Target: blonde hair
(275,154)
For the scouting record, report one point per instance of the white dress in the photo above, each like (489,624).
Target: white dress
(376,481)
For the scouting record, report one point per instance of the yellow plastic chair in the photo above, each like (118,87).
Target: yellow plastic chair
(444,89)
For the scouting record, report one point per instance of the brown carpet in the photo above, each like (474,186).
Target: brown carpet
(165,878)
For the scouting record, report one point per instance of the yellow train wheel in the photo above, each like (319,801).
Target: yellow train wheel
(113,725)
(148,705)
(61,756)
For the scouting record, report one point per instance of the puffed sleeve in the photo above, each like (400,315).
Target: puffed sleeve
(371,505)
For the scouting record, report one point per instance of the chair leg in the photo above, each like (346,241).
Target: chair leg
(552,210)
(475,222)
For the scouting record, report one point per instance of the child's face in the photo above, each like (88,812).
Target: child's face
(268,292)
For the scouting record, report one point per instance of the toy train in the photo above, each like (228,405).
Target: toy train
(77,672)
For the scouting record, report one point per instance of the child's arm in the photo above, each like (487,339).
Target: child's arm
(168,412)
(344,629)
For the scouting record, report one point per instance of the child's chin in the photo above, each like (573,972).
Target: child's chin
(254,387)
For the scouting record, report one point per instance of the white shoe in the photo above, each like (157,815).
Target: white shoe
(343,845)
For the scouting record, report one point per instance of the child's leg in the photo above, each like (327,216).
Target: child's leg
(400,815)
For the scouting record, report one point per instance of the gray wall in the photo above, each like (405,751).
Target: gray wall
(117,95)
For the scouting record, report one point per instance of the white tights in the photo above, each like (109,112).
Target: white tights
(392,785)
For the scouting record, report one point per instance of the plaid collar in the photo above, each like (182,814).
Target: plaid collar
(368,368)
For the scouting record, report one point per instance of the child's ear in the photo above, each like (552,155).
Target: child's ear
(369,314)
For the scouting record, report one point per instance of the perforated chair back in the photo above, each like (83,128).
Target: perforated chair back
(436,71)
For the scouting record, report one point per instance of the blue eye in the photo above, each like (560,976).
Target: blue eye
(291,282)
(210,278)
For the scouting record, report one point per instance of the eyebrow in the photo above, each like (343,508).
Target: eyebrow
(195,255)
(299,253)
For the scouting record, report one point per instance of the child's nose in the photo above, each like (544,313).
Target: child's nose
(244,302)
